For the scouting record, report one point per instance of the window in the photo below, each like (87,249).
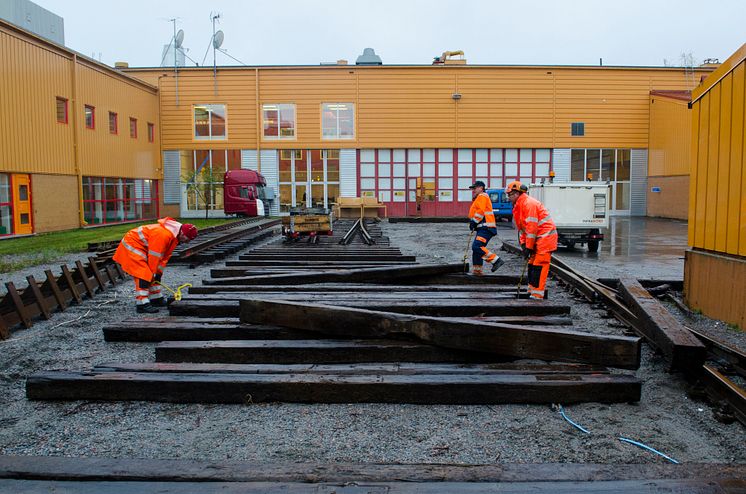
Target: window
(61,110)
(133,128)
(210,122)
(278,121)
(113,123)
(202,175)
(151,132)
(337,121)
(577,129)
(114,200)
(90,117)
(6,206)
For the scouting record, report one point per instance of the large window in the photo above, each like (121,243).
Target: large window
(114,200)
(202,176)
(210,122)
(278,121)
(61,109)
(6,206)
(90,117)
(338,121)
(308,178)
(604,165)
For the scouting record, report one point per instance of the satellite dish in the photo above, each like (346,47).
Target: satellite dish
(217,40)
(179,38)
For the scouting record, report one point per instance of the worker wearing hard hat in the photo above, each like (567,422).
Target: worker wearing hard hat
(144,252)
(537,235)
(482,220)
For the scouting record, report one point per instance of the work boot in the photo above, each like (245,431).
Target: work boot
(476,270)
(497,263)
(160,302)
(146,308)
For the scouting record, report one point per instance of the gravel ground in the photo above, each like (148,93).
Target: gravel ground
(665,418)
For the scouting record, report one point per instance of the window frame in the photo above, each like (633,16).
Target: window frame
(280,137)
(209,137)
(338,137)
(116,123)
(577,129)
(93,117)
(64,101)
(133,135)
(151,132)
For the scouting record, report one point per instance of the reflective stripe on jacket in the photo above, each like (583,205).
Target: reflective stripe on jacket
(145,250)
(535,227)
(481,211)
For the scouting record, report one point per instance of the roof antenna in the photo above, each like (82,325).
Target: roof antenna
(217,42)
(178,40)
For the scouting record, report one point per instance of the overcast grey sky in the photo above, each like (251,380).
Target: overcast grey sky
(299,32)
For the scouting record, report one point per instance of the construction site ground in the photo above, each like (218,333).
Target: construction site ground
(666,418)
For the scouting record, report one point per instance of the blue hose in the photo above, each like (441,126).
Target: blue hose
(640,445)
(562,412)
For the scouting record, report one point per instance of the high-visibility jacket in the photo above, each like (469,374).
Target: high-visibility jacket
(481,211)
(536,230)
(144,251)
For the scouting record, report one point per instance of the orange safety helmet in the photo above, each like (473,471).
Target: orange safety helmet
(516,186)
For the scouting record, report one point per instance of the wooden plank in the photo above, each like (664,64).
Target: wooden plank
(18,305)
(200,332)
(81,272)
(70,282)
(351,288)
(504,307)
(329,264)
(229,470)
(453,389)
(501,339)
(40,299)
(400,368)
(657,486)
(122,274)
(111,273)
(4,328)
(330,351)
(683,351)
(56,291)
(349,275)
(321,257)
(97,274)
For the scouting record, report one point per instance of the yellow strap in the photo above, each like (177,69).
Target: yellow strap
(177,293)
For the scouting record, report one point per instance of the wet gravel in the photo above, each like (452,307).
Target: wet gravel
(666,418)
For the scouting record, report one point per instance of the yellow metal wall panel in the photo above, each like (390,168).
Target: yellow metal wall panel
(718,215)
(103,154)
(716,285)
(693,176)
(55,202)
(236,90)
(32,78)
(670,134)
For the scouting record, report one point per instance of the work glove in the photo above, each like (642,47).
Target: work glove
(527,253)
(472,225)
(157,278)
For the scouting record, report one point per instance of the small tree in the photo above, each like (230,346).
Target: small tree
(203,183)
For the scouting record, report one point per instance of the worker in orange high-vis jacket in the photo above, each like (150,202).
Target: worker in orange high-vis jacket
(144,252)
(482,220)
(537,235)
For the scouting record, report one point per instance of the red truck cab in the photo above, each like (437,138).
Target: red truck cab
(244,193)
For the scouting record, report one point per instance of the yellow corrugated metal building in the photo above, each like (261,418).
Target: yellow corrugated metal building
(669,153)
(715,268)
(315,132)
(67,156)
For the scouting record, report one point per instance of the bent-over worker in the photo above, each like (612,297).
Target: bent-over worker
(482,219)
(536,233)
(144,253)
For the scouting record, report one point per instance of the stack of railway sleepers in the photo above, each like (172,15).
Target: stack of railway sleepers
(325,323)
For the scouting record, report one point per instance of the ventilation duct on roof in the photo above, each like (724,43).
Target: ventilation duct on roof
(368,57)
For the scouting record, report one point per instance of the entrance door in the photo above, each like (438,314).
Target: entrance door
(22,204)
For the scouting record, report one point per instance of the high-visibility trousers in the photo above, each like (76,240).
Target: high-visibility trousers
(538,270)
(145,291)
(479,250)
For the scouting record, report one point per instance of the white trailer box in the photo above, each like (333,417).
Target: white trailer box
(579,209)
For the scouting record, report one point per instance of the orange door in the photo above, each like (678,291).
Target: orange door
(22,204)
